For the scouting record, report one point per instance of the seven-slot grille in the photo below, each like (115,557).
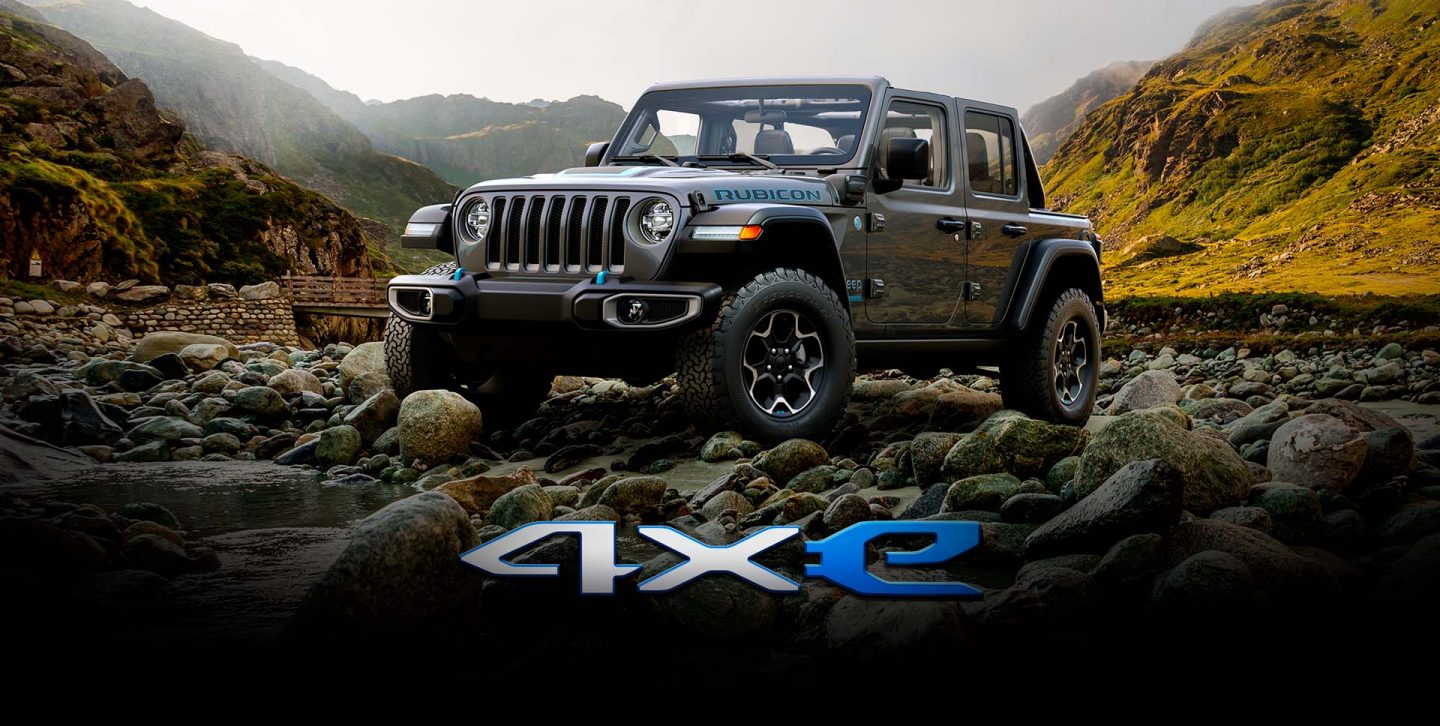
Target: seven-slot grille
(556,232)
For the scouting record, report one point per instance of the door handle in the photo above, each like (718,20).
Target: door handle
(1013,230)
(950,225)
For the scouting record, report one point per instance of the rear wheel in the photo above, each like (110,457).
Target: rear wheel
(418,358)
(777,362)
(1055,371)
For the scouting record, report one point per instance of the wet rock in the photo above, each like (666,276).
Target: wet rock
(797,506)
(337,446)
(961,406)
(636,495)
(726,500)
(221,443)
(1143,496)
(365,358)
(845,511)
(1147,390)
(1295,513)
(375,415)
(261,402)
(156,344)
(1259,424)
(927,455)
(156,554)
(1210,584)
(1063,471)
(814,480)
(82,422)
(1009,442)
(400,575)
(1275,567)
(927,504)
(571,455)
(300,454)
(292,381)
(722,446)
(1131,560)
(365,385)
(1318,451)
(791,457)
(435,425)
(165,429)
(1214,475)
(171,367)
(159,530)
(1253,517)
(1389,452)
(987,492)
(522,505)
(1031,507)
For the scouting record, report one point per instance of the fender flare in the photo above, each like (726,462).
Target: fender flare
(1045,257)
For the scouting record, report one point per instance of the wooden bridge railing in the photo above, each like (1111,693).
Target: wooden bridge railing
(317,291)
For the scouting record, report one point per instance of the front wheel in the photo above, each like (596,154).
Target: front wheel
(777,362)
(1054,372)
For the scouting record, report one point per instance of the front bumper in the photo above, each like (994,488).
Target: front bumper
(484,303)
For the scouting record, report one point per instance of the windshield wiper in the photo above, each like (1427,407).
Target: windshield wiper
(741,156)
(647,158)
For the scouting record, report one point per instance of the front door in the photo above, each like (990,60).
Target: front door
(999,215)
(914,269)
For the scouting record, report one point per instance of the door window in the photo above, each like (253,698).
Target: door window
(907,119)
(990,153)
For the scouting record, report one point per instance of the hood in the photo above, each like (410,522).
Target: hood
(718,186)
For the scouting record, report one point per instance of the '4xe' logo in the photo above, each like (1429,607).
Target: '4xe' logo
(842,557)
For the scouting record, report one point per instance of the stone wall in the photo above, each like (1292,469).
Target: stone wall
(236,320)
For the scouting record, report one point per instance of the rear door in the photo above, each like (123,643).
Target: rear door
(994,192)
(915,270)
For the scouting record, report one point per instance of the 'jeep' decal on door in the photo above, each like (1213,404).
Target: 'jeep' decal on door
(768,195)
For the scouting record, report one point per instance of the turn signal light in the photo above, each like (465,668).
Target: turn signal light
(750,231)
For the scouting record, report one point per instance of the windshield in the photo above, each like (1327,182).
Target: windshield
(788,125)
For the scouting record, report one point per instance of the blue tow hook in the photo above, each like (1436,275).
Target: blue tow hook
(459,273)
(601,276)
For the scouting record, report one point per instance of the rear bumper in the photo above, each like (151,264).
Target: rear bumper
(478,304)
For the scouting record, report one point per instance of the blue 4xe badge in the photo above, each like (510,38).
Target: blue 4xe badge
(842,557)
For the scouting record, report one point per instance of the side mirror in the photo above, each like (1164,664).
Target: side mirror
(595,152)
(907,159)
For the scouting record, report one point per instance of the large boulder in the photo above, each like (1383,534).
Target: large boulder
(521,505)
(435,425)
(400,575)
(1277,569)
(927,455)
(1142,497)
(201,357)
(154,345)
(375,415)
(1214,475)
(338,445)
(293,381)
(1147,390)
(261,401)
(987,492)
(1012,443)
(791,457)
(365,358)
(1317,451)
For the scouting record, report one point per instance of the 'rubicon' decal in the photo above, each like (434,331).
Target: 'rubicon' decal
(768,195)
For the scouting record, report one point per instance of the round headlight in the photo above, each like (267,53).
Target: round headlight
(477,220)
(657,220)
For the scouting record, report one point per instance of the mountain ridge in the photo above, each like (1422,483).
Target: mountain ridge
(1289,146)
(1049,122)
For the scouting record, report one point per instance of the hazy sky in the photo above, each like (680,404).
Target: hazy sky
(1014,52)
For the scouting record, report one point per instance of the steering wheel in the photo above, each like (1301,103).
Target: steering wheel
(826,150)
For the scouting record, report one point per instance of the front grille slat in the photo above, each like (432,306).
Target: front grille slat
(557,233)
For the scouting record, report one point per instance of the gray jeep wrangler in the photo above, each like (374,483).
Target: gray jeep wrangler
(766,239)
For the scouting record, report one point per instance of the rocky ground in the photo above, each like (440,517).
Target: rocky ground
(1219,485)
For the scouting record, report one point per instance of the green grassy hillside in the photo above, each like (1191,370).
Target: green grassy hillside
(103,185)
(232,104)
(1289,146)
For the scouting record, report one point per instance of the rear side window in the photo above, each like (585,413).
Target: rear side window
(990,154)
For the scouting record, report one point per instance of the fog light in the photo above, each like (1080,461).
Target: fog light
(635,311)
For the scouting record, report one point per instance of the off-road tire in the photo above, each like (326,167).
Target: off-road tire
(417,358)
(708,361)
(1028,377)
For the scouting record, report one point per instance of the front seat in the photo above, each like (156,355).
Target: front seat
(774,141)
